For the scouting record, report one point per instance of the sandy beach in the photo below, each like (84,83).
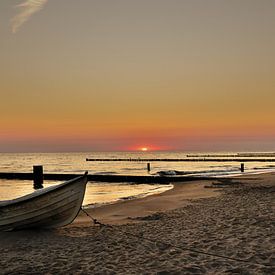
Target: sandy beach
(227,228)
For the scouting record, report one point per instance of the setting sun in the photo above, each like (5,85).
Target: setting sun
(144,149)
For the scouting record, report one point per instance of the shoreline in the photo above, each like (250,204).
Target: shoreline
(122,212)
(182,194)
(229,230)
(127,198)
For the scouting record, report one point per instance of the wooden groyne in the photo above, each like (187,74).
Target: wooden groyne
(239,155)
(185,159)
(104,178)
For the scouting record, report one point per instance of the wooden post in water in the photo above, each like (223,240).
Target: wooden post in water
(38,176)
(242,167)
(148,167)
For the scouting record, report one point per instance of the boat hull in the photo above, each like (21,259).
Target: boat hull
(47,208)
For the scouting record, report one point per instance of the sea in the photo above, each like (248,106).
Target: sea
(99,193)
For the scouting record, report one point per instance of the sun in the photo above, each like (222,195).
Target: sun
(144,149)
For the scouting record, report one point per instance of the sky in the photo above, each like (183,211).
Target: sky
(115,75)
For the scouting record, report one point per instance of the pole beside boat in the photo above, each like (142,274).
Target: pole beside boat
(38,177)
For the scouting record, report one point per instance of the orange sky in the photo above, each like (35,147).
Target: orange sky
(116,75)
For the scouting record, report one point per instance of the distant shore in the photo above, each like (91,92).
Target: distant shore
(225,228)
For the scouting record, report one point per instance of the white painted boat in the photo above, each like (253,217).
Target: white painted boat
(51,207)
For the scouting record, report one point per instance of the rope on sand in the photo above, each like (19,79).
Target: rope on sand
(96,222)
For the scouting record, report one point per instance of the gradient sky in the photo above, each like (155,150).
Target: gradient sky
(120,74)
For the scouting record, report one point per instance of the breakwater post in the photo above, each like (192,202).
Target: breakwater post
(242,167)
(148,167)
(38,176)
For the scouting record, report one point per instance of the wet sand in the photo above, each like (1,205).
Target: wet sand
(184,230)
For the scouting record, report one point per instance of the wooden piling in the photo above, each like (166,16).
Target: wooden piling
(148,167)
(242,167)
(38,177)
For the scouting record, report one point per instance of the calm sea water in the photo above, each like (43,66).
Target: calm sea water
(98,193)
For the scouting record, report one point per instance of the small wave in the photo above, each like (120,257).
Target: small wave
(203,172)
(264,167)
(105,173)
(169,173)
(156,188)
(220,166)
(4,167)
(97,204)
(134,169)
(141,195)
(128,198)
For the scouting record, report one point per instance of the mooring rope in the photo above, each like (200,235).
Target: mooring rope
(96,222)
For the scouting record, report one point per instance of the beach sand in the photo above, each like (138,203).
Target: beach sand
(188,229)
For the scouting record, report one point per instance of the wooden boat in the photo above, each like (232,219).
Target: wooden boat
(50,207)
